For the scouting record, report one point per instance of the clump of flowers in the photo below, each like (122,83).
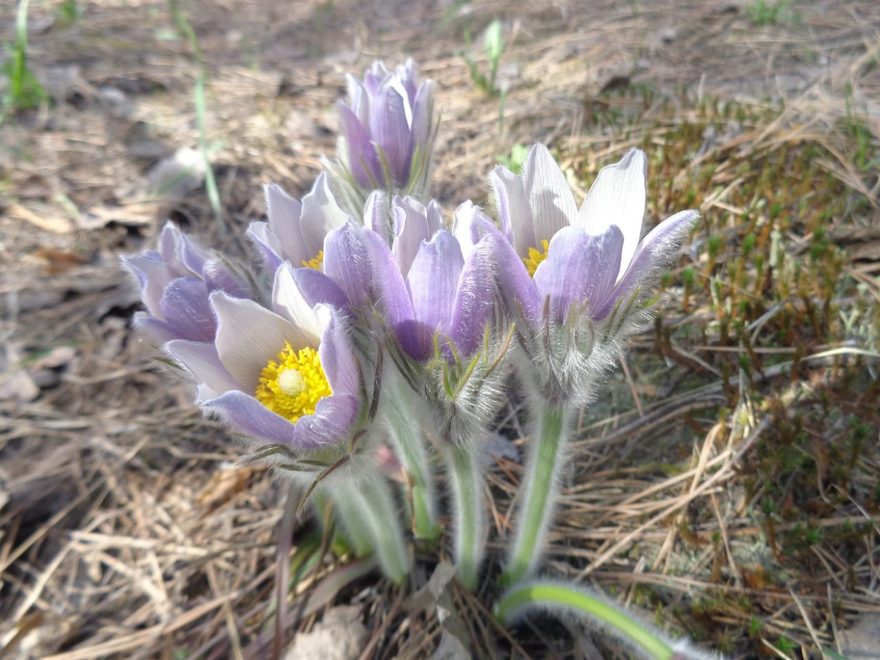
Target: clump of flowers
(376,339)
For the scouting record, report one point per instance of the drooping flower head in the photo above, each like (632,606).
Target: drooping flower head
(176,281)
(295,230)
(388,131)
(570,271)
(285,375)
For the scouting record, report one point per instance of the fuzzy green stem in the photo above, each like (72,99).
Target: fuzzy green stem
(466,482)
(538,495)
(347,512)
(372,501)
(401,410)
(552,595)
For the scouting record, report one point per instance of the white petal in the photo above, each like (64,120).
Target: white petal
(320,215)
(553,206)
(202,362)
(284,214)
(513,209)
(288,301)
(248,336)
(617,197)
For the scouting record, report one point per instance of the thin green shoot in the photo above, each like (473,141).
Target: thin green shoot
(25,91)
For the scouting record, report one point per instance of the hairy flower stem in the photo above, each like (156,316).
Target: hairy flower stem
(401,409)
(466,482)
(597,610)
(346,510)
(538,496)
(371,501)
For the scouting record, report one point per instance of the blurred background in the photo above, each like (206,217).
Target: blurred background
(727,483)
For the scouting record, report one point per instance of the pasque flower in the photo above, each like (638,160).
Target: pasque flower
(388,128)
(285,375)
(176,281)
(589,258)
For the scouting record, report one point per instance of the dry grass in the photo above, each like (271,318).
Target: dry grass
(726,484)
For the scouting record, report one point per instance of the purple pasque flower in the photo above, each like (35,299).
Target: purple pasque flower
(176,281)
(589,258)
(295,230)
(421,286)
(285,375)
(388,129)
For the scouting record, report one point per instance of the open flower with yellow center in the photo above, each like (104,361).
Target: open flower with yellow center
(294,230)
(589,257)
(284,375)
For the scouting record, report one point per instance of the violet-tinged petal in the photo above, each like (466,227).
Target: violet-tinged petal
(433,282)
(159,331)
(336,353)
(579,268)
(284,213)
(153,275)
(617,197)
(267,243)
(247,415)
(249,335)
(378,215)
(359,261)
(550,199)
(186,310)
(513,209)
(219,276)
(330,425)
(363,162)
(412,228)
(358,99)
(407,75)
(423,116)
(289,302)
(180,251)
(317,288)
(390,119)
(435,217)
(202,361)
(513,280)
(475,296)
(469,224)
(653,253)
(320,215)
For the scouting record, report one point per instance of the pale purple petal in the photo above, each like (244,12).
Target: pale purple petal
(550,199)
(378,215)
(186,310)
(153,275)
(249,336)
(202,361)
(390,118)
(653,253)
(412,227)
(512,279)
(423,116)
(476,296)
(469,224)
(337,355)
(317,288)
(359,261)
(580,268)
(247,415)
(433,282)
(320,215)
(284,213)
(617,197)
(267,243)
(513,209)
(363,162)
(330,425)
(159,331)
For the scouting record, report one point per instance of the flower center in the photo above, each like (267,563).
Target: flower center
(315,263)
(292,385)
(536,256)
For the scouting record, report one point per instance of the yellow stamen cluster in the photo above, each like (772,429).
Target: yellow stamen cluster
(536,256)
(315,263)
(293,385)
